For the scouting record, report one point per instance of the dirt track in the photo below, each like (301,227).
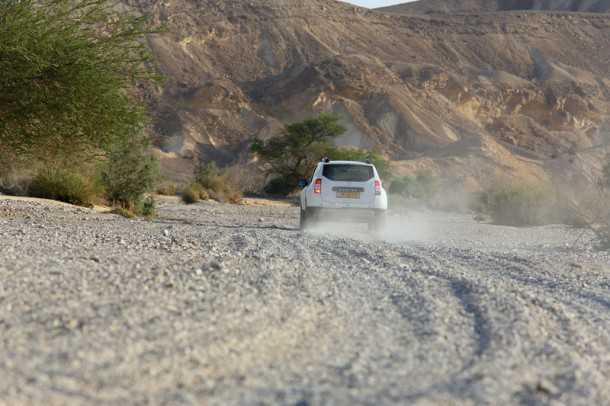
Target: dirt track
(215,304)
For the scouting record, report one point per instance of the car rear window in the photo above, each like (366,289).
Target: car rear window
(348,173)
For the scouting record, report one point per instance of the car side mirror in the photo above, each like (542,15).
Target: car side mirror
(303,183)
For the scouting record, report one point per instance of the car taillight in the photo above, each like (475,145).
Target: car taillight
(317,186)
(377,187)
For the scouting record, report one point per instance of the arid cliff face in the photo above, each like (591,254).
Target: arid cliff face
(478,6)
(492,91)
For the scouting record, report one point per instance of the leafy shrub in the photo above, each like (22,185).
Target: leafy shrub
(422,186)
(121,211)
(68,71)
(362,155)
(192,193)
(168,189)
(517,205)
(129,173)
(279,186)
(147,208)
(215,183)
(63,185)
(294,154)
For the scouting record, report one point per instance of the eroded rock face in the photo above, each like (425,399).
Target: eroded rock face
(410,86)
(474,6)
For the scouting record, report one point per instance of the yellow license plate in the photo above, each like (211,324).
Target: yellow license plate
(348,195)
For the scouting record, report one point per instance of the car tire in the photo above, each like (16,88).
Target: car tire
(378,223)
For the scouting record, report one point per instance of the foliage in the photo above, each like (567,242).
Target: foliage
(421,186)
(68,70)
(168,189)
(63,185)
(190,196)
(517,205)
(121,211)
(280,186)
(356,154)
(215,184)
(293,154)
(194,193)
(210,182)
(147,207)
(129,173)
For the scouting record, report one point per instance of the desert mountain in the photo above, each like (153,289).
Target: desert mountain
(468,94)
(477,6)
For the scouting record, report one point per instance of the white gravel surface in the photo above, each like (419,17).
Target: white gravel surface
(217,304)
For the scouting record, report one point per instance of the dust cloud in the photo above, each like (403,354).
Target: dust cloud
(400,227)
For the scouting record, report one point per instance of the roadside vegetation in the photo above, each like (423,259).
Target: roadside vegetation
(421,186)
(295,152)
(71,125)
(63,185)
(211,182)
(517,204)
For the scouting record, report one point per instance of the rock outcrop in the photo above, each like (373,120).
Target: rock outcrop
(509,90)
(478,6)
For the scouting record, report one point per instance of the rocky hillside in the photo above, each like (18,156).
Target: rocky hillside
(463,94)
(477,6)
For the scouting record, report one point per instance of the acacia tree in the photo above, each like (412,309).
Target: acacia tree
(68,68)
(294,152)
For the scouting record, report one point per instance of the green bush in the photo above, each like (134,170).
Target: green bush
(216,184)
(168,189)
(123,212)
(147,207)
(362,155)
(69,71)
(422,186)
(129,173)
(517,205)
(63,185)
(280,186)
(192,193)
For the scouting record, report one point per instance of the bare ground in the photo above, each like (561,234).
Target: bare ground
(219,304)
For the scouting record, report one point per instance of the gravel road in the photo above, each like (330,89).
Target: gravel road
(221,305)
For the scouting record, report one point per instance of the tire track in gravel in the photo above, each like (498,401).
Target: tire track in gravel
(231,305)
(419,301)
(553,316)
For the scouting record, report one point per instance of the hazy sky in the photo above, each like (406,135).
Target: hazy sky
(376,3)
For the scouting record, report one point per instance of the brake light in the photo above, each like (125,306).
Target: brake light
(317,186)
(377,187)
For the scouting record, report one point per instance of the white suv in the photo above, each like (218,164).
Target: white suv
(344,191)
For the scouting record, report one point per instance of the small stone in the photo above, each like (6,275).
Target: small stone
(213,266)
(73,324)
(166,232)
